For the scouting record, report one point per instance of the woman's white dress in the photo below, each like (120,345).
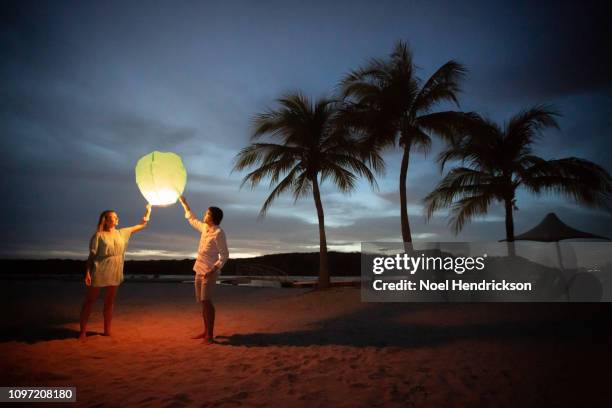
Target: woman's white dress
(108,251)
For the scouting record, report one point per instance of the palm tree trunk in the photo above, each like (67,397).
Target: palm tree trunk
(323,263)
(406,235)
(510,227)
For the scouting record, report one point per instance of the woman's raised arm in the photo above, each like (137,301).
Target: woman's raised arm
(143,222)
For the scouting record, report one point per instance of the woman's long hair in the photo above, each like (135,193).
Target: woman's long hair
(102,220)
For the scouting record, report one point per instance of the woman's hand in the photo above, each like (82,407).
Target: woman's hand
(209,272)
(87,278)
(147,215)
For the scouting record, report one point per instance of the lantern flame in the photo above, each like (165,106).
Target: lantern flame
(162,197)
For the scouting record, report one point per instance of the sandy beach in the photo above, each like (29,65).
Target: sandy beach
(295,347)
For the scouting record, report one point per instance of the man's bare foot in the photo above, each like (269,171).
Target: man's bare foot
(208,340)
(199,336)
(106,334)
(83,336)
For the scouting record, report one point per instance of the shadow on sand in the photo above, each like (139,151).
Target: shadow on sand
(380,326)
(38,334)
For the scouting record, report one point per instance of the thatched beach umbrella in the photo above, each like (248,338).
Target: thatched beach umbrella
(552,229)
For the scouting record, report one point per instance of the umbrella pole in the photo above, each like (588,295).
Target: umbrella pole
(559,259)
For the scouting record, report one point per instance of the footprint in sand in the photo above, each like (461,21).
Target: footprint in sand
(52,376)
(310,396)
(329,361)
(381,373)
(178,400)
(241,395)
(241,367)
(232,399)
(148,399)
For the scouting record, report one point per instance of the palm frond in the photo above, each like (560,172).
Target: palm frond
(458,183)
(401,60)
(581,180)
(524,127)
(302,186)
(284,185)
(467,208)
(313,141)
(272,170)
(418,139)
(341,177)
(443,85)
(264,153)
(474,140)
(352,162)
(374,68)
(451,126)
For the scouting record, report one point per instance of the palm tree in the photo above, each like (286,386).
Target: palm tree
(388,103)
(311,149)
(496,162)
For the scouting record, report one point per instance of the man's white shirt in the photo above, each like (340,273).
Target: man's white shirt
(212,250)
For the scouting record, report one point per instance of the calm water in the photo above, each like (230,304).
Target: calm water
(259,281)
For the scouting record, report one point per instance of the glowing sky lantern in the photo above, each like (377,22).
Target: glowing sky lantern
(161,177)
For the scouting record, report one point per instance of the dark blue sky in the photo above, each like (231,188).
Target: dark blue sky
(89,87)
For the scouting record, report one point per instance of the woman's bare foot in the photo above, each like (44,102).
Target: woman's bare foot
(82,336)
(208,340)
(199,336)
(107,334)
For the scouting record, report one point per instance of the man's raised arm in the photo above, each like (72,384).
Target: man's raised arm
(193,221)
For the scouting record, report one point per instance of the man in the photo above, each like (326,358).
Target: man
(212,255)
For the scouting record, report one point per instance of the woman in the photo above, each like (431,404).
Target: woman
(105,264)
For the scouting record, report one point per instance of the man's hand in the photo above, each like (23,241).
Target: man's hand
(87,278)
(185,206)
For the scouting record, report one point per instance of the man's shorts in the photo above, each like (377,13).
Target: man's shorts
(204,287)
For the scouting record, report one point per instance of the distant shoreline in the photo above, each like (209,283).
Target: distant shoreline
(290,264)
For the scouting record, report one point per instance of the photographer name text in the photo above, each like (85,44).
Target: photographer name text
(449,285)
